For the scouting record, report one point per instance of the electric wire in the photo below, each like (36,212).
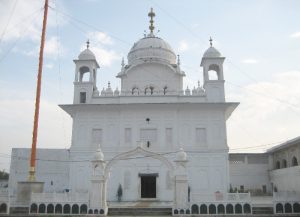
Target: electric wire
(9,18)
(228,59)
(23,20)
(89,25)
(82,22)
(17,40)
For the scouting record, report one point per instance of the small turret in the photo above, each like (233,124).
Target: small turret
(212,63)
(85,76)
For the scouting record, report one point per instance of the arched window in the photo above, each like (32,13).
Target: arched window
(203,209)
(212,209)
(288,208)
(284,163)
(67,209)
(84,74)
(182,211)
(42,208)
(294,161)
(149,90)
(277,164)
(90,211)
(247,208)
(221,209)
(195,209)
(3,208)
(82,97)
(213,72)
(238,209)
(58,208)
(101,211)
(50,208)
(296,208)
(229,209)
(75,209)
(33,208)
(135,91)
(175,212)
(279,208)
(83,209)
(96,211)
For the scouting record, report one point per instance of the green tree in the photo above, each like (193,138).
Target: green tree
(4,175)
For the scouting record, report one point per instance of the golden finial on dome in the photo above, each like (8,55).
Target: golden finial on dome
(210,41)
(87,44)
(151,14)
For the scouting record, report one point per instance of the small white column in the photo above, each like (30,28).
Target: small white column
(181,181)
(97,192)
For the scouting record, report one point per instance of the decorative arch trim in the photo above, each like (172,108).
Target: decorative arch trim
(136,151)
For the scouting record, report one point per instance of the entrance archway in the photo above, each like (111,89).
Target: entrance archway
(138,151)
(147,179)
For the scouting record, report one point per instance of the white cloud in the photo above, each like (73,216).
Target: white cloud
(269,112)
(295,35)
(250,61)
(22,23)
(49,65)
(99,42)
(104,56)
(99,38)
(16,126)
(52,47)
(183,46)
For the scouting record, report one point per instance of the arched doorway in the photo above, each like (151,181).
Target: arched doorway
(139,172)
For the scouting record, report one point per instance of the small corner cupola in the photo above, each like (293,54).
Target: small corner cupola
(87,54)
(213,77)
(85,76)
(212,63)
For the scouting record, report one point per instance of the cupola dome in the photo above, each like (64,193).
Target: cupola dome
(98,155)
(211,53)
(87,54)
(181,155)
(151,47)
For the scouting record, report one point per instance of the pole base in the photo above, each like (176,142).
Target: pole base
(25,190)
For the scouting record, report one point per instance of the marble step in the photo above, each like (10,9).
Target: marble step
(133,211)
(262,210)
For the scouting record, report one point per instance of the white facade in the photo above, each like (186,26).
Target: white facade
(152,138)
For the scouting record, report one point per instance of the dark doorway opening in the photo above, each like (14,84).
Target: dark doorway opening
(148,186)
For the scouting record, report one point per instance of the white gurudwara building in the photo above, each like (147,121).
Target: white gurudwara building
(154,144)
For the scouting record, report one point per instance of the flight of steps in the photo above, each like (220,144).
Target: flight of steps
(262,210)
(19,210)
(134,211)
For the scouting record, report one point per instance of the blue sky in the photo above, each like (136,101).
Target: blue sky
(260,40)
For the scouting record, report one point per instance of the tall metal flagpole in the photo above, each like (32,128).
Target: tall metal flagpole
(37,99)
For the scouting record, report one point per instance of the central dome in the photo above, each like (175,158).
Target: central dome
(149,48)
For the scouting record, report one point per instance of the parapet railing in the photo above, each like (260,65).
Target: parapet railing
(221,197)
(286,196)
(59,197)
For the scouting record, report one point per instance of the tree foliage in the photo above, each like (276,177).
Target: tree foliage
(4,175)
